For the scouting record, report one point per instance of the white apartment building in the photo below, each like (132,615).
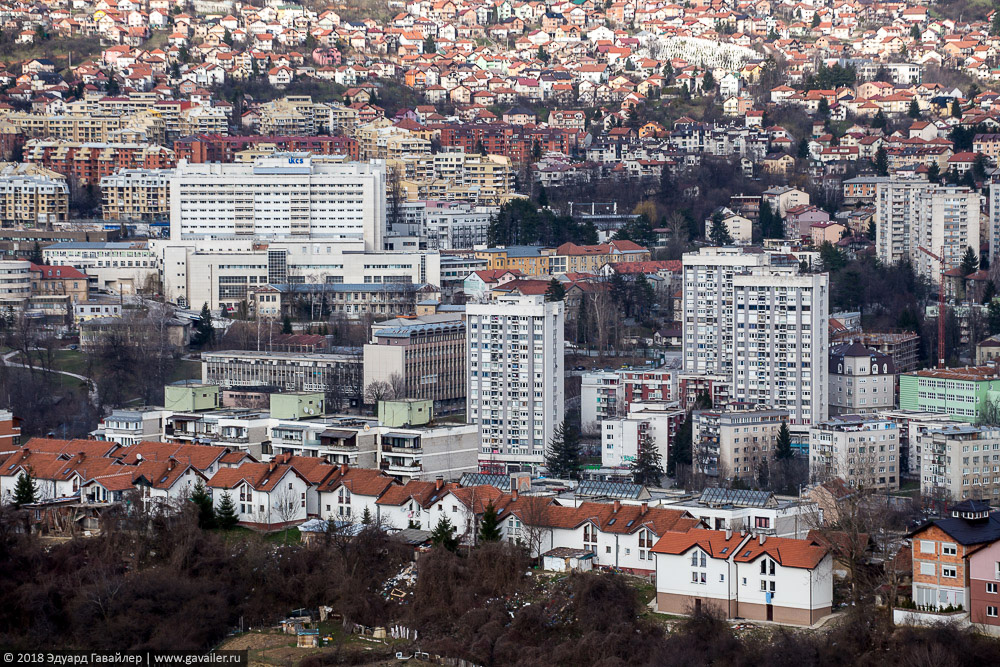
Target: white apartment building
(708,306)
(515,379)
(446,225)
(220,272)
(278,196)
(780,341)
(863,451)
(646,425)
(15,282)
(959,461)
(911,423)
(601,397)
(918,214)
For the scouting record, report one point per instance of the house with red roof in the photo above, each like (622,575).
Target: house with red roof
(742,575)
(266,495)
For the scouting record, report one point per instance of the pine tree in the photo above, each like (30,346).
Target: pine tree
(562,460)
(204,330)
(989,291)
(225,516)
(881,162)
(366,517)
(543,195)
(36,256)
(783,446)
(443,535)
(489,529)
(970,262)
(879,121)
(25,491)
(680,453)
(203,501)
(914,110)
(803,152)
(429,45)
(555,291)
(719,234)
(824,107)
(872,231)
(648,465)
(286,325)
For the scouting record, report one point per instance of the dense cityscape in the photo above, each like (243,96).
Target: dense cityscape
(480,332)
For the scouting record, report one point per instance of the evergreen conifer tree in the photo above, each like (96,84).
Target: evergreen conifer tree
(203,501)
(562,459)
(225,516)
(25,491)
(489,529)
(443,535)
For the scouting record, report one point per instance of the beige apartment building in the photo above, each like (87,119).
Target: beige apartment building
(425,353)
(136,194)
(30,195)
(86,128)
(203,120)
(385,141)
(452,174)
(863,451)
(735,444)
(294,115)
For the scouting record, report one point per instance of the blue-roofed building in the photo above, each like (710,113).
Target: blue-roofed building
(421,357)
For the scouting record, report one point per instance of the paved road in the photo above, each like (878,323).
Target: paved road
(91,387)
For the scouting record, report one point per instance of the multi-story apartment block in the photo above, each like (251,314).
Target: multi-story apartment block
(911,426)
(136,194)
(32,195)
(916,217)
(15,283)
(515,379)
(444,225)
(862,451)
(48,280)
(958,461)
(90,127)
(203,119)
(290,371)
(320,301)
(293,115)
(86,163)
(708,307)
(427,353)
(646,426)
(20,240)
(961,393)
(780,341)
(601,398)
(862,380)
(286,195)
(735,444)
(217,148)
(573,258)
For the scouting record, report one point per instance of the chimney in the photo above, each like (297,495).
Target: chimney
(618,506)
(271,466)
(729,534)
(343,468)
(171,463)
(513,494)
(763,538)
(439,483)
(644,508)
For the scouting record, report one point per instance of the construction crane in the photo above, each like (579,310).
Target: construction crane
(940,318)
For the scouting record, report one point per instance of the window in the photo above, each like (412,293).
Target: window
(694,577)
(762,522)
(991,611)
(927,569)
(608,549)
(926,547)
(949,549)
(949,571)
(991,588)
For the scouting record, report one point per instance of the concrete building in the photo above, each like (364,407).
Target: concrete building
(290,371)
(861,451)
(919,214)
(758,512)
(20,240)
(283,195)
(862,380)
(426,353)
(426,454)
(221,273)
(515,379)
(780,341)
(15,283)
(708,311)
(735,444)
(32,195)
(961,393)
(959,461)
(601,398)
(121,266)
(646,425)
(136,194)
